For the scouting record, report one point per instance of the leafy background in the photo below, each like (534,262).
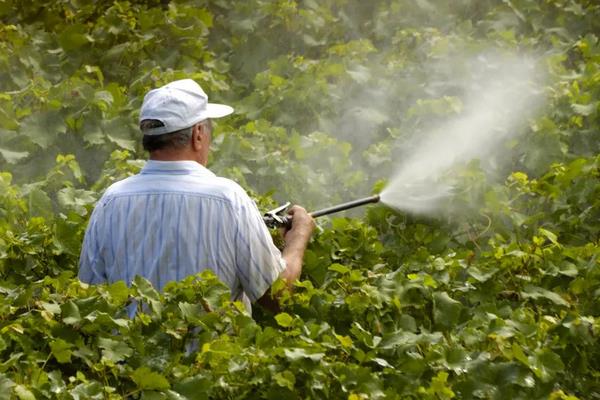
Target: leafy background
(500,302)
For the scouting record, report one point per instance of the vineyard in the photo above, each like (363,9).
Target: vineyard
(497,297)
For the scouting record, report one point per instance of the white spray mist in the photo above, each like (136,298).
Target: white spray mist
(498,102)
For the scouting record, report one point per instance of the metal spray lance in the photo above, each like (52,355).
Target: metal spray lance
(277,217)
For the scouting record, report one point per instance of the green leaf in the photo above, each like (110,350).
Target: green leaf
(549,235)
(44,128)
(72,37)
(285,379)
(382,362)
(66,237)
(118,131)
(195,387)
(6,385)
(23,393)
(114,350)
(61,350)
(103,99)
(119,292)
(11,361)
(481,275)
(145,378)
(568,269)
(70,313)
(13,157)
(191,312)
(546,364)
(584,109)
(40,204)
(76,199)
(57,385)
(339,268)
(299,353)
(94,137)
(87,390)
(535,292)
(519,354)
(52,308)
(145,288)
(440,387)
(284,319)
(126,144)
(446,310)
(404,339)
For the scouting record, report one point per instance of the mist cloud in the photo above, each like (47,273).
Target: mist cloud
(497,101)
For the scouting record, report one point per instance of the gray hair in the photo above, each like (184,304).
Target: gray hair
(174,140)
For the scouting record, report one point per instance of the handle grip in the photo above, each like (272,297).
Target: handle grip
(277,221)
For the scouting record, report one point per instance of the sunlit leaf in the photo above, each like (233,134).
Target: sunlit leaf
(145,378)
(13,157)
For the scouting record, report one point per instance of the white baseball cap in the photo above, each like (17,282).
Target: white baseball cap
(178,105)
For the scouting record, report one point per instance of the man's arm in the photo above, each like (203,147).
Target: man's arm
(296,240)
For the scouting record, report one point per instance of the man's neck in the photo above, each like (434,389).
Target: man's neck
(170,155)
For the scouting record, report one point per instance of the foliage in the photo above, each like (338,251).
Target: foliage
(499,300)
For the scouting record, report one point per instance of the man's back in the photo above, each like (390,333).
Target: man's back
(175,219)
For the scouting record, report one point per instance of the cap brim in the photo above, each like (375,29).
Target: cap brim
(214,110)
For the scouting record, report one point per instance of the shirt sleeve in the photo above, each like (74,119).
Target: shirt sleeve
(91,263)
(258,261)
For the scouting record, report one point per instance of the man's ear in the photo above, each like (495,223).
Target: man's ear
(197,139)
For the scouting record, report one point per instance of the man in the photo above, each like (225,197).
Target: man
(176,218)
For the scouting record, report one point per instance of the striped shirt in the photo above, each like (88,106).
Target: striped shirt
(175,219)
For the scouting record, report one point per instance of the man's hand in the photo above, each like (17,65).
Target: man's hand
(302,225)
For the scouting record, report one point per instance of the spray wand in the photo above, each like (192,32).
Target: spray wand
(277,218)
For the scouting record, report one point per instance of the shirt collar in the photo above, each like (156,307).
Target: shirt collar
(175,168)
